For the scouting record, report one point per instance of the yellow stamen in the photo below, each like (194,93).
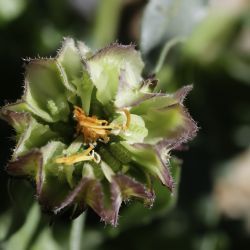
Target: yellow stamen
(69,160)
(128,116)
(91,127)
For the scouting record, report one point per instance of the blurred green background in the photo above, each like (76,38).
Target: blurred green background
(200,42)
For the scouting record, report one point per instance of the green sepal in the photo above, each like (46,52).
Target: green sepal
(88,191)
(27,165)
(164,123)
(132,188)
(36,135)
(153,101)
(52,184)
(147,159)
(19,106)
(134,214)
(165,117)
(16,115)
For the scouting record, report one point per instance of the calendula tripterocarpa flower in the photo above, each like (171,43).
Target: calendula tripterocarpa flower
(92,132)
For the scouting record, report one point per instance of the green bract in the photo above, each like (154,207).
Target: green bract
(106,85)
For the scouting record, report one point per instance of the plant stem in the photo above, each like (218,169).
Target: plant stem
(107,21)
(167,47)
(77,232)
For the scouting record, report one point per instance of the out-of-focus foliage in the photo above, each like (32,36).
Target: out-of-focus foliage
(11,9)
(213,54)
(225,34)
(232,189)
(164,20)
(23,236)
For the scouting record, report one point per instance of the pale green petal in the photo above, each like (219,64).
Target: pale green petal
(84,50)
(107,171)
(84,87)
(106,66)
(71,63)
(136,132)
(73,148)
(71,60)
(127,94)
(45,92)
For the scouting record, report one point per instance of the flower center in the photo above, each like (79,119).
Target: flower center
(91,127)
(93,130)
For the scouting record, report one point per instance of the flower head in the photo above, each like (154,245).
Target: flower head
(92,132)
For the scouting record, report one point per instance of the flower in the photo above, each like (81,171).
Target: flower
(92,132)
